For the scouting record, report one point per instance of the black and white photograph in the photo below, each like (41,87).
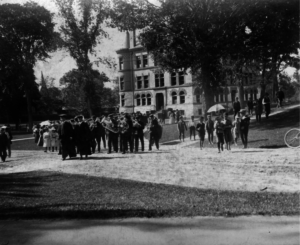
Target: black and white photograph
(149,122)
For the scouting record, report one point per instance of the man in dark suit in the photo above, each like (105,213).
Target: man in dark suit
(138,133)
(236,106)
(84,137)
(154,132)
(66,136)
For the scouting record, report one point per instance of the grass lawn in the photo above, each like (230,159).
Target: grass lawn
(57,195)
(269,133)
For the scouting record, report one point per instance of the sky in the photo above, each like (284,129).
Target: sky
(61,62)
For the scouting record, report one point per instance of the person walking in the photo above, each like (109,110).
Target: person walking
(201,131)
(267,103)
(219,127)
(3,144)
(250,106)
(280,97)
(227,130)
(54,139)
(192,127)
(154,132)
(236,129)
(138,132)
(236,106)
(46,139)
(258,109)
(245,122)
(209,126)
(181,128)
(66,136)
(84,138)
(10,137)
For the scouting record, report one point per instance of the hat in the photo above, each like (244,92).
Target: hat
(181,117)
(3,127)
(242,110)
(63,115)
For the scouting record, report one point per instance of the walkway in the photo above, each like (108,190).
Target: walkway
(253,230)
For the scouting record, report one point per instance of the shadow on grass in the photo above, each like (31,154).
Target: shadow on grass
(289,118)
(20,185)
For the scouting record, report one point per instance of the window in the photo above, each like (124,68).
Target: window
(121,83)
(146,82)
(181,78)
(148,99)
(182,97)
(138,61)
(143,99)
(138,100)
(156,80)
(159,80)
(255,94)
(173,79)
(221,97)
(123,100)
(121,63)
(198,98)
(139,82)
(217,97)
(145,60)
(174,98)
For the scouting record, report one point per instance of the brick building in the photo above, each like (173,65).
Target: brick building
(144,87)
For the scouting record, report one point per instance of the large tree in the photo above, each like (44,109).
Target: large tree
(81,31)
(273,37)
(74,92)
(26,35)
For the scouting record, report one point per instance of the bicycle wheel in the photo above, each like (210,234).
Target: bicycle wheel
(292,138)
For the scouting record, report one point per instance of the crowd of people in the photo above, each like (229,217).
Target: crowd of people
(5,142)
(227,131)
(118,132)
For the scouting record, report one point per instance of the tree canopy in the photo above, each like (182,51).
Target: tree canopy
(26,35)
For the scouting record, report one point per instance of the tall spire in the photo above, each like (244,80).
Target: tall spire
(43,83)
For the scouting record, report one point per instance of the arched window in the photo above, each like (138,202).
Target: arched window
(148,99)
(182,97)
(174,98)
(138,100)
(143,99)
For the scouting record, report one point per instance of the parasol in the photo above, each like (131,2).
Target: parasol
(46,123)
(216,108)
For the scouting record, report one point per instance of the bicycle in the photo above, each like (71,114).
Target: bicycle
(292,138)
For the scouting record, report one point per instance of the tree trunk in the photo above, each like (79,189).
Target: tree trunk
(29,108)
(208,100)
(241,94)
(274,76)
(88,103)
(263,83)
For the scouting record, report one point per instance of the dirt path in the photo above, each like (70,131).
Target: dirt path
(189,231)
(251,169)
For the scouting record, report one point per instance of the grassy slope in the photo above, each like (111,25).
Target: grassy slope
(58,195)
(269,133)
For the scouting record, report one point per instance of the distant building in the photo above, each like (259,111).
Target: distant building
(144,87)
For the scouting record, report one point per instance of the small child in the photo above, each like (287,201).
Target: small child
(46,139)
(54,140)
(201,131)
(236,129)
(220,133)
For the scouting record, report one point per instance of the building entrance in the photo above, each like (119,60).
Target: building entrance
(160,101)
